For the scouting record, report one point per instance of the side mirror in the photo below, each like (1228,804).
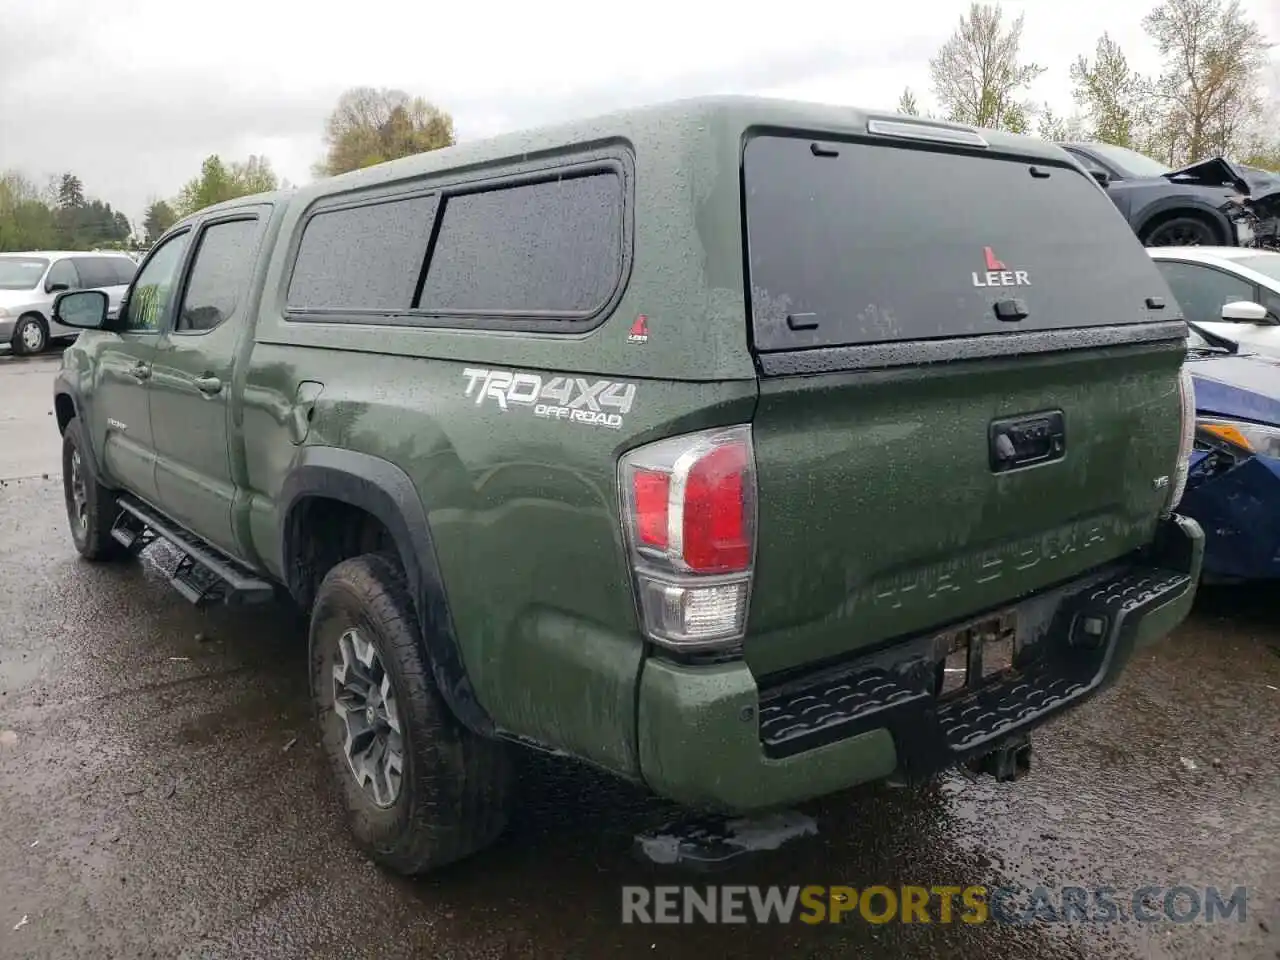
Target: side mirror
(1101,176)
(86,309)
(1244,311)
(55,287)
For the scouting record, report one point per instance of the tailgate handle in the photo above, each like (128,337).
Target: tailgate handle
(1027,440)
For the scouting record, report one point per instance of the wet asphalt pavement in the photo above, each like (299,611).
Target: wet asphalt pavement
(162,793)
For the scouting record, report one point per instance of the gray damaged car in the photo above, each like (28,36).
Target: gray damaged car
(1215,202)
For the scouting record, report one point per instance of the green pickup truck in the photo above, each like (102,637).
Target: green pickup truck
(746,449)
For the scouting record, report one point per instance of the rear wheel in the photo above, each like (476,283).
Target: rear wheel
(91,507)
(1180,232)
(420,790)
(30,335)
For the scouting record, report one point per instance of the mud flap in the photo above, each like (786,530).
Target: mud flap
(1239,510)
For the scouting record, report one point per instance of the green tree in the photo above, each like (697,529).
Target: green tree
(1210,90)
(1057,128)
(1116,99)
(219,182)
(254,176)
(26,221)
(907,103)
(159,218)
(1261,152)
(369,126)
(1016,118)
(57,217)
(91,224)
(213,185)
(70,191)
(977,74)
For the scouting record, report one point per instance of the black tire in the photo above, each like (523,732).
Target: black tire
(454,794)
(1181,232)
(90,528)
(27,328)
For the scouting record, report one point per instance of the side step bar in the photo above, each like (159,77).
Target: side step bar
(205,573)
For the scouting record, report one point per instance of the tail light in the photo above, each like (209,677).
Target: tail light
(689,512)
(1186,439)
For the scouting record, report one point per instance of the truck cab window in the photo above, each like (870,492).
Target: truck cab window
(223,262)
(150,295)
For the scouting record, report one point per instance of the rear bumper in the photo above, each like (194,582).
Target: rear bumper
(711,737)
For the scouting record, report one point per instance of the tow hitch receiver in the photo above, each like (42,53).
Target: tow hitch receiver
(710,843)
(1009,761)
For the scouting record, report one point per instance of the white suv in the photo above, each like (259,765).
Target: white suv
(30,281)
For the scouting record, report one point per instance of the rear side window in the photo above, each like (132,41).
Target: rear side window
(880,244)
(219,275)
(549,249)
(362,258)
(64,272)
(540,248)
(125,269)
(97,271)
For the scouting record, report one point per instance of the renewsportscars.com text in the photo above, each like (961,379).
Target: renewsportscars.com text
(815,903)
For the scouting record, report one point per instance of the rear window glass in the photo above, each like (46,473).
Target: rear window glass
(540,248)
(21,273)
(362,258)
(883,244)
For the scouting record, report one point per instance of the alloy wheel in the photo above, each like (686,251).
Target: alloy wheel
(1179,235)
(79,494)
(365,703)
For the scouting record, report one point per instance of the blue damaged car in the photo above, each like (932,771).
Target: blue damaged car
(1233,488)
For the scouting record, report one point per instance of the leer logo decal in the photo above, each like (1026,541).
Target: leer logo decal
(639,330)
(557,398)
(999,275)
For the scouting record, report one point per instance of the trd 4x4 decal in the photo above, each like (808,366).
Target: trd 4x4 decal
(555,398)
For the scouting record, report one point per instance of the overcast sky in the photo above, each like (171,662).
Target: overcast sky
(134,102)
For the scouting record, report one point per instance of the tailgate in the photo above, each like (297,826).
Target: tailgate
(966,396)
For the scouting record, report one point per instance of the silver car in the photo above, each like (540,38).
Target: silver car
(30,281)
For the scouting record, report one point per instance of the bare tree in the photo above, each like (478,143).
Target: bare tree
(977,76)
(1210,90)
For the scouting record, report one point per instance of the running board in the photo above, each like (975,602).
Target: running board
(204,574)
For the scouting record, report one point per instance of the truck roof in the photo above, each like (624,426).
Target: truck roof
(659,127)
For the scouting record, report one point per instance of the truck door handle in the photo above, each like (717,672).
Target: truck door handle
(141,370)
(209,386)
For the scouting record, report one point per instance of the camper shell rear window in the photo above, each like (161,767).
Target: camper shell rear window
(858,243)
